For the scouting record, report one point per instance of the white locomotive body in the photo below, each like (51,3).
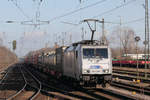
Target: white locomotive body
(88,63)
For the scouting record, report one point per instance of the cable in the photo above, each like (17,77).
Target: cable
(83,1)
(133,21)
(21,10)
(113,9)
(38,10)
(77,10)
(73,27)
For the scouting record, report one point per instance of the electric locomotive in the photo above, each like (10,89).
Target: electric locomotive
(88,62)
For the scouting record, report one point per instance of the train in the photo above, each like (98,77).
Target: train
(130,60)
(85,63)
(129,63)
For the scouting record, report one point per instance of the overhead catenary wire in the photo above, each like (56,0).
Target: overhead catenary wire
(106,12)
(77,10)
(20,9)
(115,8)
(38,10)
(134,21)
(129,22)
(82,1)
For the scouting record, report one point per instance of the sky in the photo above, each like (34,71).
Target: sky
(58,14)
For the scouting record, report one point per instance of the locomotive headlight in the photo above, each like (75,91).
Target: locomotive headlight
(86,71)
(106,70)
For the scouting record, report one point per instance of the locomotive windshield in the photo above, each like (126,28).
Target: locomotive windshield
(95,52)
(88,53)
(102,52)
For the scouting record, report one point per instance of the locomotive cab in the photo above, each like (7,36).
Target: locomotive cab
(95,60)
(88,62)
(96,64)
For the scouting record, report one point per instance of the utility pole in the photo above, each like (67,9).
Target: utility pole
(147,30)
(103,30)
(120,42)
(146,42)
(70,39)
(63,38)
(82,33)
(103,38)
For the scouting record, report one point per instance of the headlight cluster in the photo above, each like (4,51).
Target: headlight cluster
(106,70)
(86,71)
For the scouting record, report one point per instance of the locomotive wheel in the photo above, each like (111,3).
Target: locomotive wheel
(105,85)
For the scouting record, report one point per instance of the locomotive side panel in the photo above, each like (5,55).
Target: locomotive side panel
(68,68)
(78,62)
(60,58)
(73,62)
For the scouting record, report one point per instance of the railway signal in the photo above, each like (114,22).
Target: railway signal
(137,39)
(14,43)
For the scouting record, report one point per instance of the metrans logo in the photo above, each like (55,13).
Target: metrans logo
(95,67)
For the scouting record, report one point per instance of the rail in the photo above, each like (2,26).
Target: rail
(4,76)
(40,86)
(16,94)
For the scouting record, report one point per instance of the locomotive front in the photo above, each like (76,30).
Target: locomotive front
(96,65)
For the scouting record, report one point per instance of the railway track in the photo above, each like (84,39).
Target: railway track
(36,85)
(127,78)
(29,91)
(132,87)
(8,86)
(31,87)
(42,89)
(132,71)
(131,74)
(59,92)
(21,90)
(38,88)
(77,91)
(5,74)
(69,90)
(3,77)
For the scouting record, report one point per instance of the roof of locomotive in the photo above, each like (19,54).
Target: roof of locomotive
(88,42)
(84,43)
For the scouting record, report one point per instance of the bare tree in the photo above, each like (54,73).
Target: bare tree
(127,40)
(123,38)
(115,53)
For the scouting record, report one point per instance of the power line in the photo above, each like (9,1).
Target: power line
(37,13)
(133,21)
(77,10)
(113,9)
(20,9)
(82,1)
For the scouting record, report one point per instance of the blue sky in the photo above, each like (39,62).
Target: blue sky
(30,38)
